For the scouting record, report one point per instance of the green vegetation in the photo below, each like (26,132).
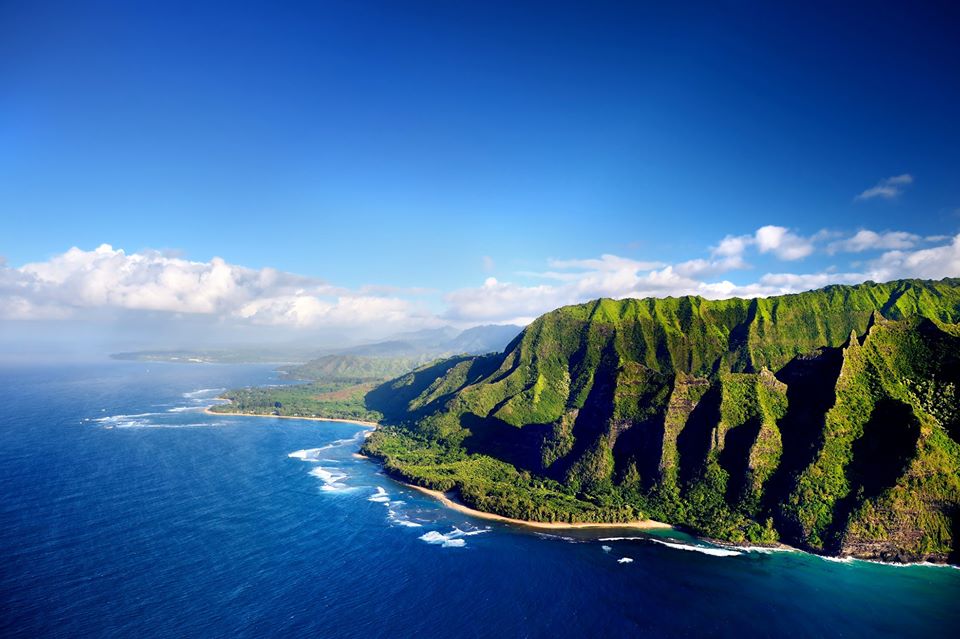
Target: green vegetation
(356,368)
(337,400)
(337,389)
(826,419)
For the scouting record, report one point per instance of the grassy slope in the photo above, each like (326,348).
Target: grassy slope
(674,408)
(355,367)
(338,388)
(336,399)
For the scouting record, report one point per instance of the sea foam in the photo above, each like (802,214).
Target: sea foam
(331,478)
(307,454)
(401,521)
(452,539)
(200,392)
(381,496)
(715,552)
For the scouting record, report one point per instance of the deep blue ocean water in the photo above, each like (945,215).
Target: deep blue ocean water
(126,511)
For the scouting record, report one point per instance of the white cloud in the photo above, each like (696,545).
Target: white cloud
(866,240)
(108,278)
(929,263)
(887,188)
(500,301)
(782,242)
(733,245)
(778,240)
(85,284)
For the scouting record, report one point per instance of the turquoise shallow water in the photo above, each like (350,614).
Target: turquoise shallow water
(127,511)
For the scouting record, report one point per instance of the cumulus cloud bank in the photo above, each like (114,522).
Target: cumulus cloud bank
(81,284)
(107,278)
(580,280)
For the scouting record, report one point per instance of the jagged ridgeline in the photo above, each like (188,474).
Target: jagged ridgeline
(827,419)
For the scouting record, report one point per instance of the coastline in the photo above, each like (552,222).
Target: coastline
(443,498)
(312,419)
(646,524)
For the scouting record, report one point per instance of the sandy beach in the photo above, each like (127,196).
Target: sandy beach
(313,419)
(444,499)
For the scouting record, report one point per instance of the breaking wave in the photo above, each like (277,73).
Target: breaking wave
(201,392)
(452,539)
(331,478)
(706,550)
(401,521)
(313,454)
(307,454)
(715,552)
(381,496)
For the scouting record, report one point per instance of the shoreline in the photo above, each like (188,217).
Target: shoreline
(443,498)
(312,419)
(646,524)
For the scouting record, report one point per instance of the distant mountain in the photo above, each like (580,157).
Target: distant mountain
(829,419)
(355,368)
(484,339)
(439,342)
(383,360)
(415,347)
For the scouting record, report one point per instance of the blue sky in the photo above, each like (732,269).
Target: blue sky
(395,145)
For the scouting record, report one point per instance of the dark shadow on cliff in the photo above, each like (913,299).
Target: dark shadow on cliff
(954,557)
(880,457)
(735,457)
(693,442)
(811,391)
(392,398)
(520,447)
(593,420)
(642,444)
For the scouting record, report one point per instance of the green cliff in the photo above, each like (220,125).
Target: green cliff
(826,419)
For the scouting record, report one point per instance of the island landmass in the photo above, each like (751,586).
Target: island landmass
(826,420)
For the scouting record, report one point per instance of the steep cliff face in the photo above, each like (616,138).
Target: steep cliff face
(826,418)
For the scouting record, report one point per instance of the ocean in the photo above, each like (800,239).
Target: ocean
(127,511)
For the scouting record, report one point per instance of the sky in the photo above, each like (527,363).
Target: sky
(174,172)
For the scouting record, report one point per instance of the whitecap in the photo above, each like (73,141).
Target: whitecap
(307,454)
(620,538)
(312,454)
(119,418)
(401,521)
(838,560)
(706,550)
(381,496)
(331,478)
(764,550)
(606,548)
(452,539)
(202,391)
(625,560)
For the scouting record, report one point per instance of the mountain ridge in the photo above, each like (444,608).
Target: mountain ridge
(746,420)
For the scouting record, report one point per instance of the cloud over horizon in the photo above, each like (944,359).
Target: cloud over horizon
(611,276)
(107,282)
(106,278)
